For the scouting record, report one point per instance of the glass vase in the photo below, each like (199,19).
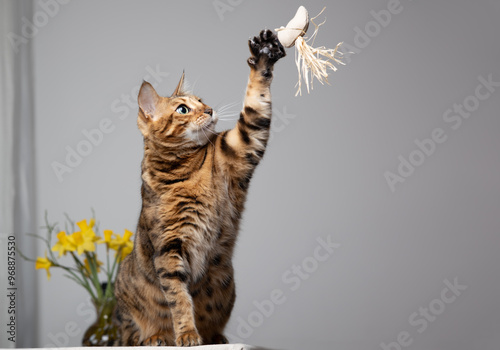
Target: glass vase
(104,332)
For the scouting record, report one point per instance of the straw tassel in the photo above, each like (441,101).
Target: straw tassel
(313,62)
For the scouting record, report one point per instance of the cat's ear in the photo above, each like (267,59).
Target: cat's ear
(148,100)
(179,90)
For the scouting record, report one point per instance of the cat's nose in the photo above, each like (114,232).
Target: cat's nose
(209,111)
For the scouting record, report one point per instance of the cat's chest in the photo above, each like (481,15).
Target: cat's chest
(206,195)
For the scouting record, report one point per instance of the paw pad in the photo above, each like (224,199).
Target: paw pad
(266,45)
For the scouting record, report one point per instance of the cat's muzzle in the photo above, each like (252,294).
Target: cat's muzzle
(205,120)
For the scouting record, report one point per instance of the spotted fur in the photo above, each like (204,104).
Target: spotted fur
(177,285)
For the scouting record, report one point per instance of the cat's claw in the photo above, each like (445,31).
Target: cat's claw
(265,47)
(191,338)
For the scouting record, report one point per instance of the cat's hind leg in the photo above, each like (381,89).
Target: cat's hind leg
(130,334)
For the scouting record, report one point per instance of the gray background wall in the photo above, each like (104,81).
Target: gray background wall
(323,175)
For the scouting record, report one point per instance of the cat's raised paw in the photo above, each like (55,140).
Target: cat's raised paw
(191,338)
(265,48)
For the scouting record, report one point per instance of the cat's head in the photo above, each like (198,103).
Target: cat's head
(181,120)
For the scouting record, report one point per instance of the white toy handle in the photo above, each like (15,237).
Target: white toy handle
(309,60)
(296,28)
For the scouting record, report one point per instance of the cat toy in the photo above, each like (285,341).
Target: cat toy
(311,62)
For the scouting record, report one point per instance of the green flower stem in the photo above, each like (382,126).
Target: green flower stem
(83,282)
(70,221)
(47,243)
(50,228)
(24,256)
(115,264)
(81,269)
(54,264)
(81,266)
(39,237)
(108,274)
(94,276)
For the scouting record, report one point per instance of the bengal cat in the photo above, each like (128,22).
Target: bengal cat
(177,286)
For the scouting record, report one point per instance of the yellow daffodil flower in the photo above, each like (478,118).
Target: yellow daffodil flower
(107,237)
(124,243)
(119,241)
(87,231)
(65,244)
(43,263)
(126,251)
(83,243)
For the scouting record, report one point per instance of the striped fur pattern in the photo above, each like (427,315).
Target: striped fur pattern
(177,285)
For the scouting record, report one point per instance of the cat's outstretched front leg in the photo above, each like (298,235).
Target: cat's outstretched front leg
(248,140)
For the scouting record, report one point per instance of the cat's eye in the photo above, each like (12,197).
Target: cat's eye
(182,109)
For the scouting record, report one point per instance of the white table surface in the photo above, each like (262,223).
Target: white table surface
(202,347)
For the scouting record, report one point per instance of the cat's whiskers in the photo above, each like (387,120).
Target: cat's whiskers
(203,129)
(230,104)
(226,110)
(213,132)
(225,114)
(226,107)
(198,138)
